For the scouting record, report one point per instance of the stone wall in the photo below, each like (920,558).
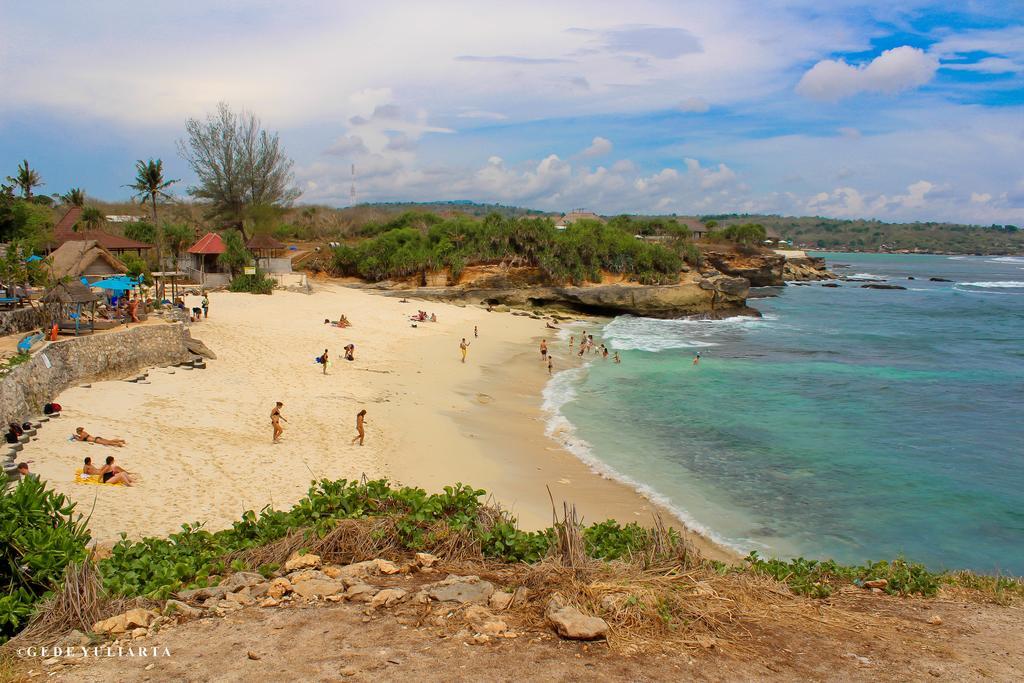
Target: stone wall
(24,319)
(70,362)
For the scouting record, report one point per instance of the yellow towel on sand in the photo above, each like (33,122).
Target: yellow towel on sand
(81,478)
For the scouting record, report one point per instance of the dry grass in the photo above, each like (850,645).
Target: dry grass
(78,603)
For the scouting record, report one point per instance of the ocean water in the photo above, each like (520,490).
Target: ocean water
(847,423)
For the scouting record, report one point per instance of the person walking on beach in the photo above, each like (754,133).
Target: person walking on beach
(572,341)
(475,333)
(206,305)
(464,347)
(543,349)
(696,358)
(360,427)
(324,360)
(550,365)
(275,419)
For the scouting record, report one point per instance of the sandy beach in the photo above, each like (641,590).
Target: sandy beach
(200,440)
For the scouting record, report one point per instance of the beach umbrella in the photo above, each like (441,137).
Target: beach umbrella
(115,284)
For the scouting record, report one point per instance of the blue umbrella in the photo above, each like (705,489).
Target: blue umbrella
(115,284)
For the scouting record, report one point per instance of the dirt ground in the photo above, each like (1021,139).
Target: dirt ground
(332,641)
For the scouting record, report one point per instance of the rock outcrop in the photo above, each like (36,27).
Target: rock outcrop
(762,270)
(805,268)
(716,295)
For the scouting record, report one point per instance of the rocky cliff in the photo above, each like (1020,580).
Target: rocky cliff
(712,294)
(769,269)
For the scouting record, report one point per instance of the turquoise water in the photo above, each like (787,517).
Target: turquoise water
(847,423)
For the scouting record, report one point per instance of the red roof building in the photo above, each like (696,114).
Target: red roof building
(64,231)
(210,243)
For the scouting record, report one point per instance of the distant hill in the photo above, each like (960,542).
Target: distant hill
(460,205)
(871,235)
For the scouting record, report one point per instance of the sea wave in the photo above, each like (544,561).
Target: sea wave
(630,333)
(560,390)
(1002,284)
(1019,260)
(866,276)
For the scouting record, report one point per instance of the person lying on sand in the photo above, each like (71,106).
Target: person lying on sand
(550,326)
(350,352)
(82,435)
(112,474)
(89,468)
(343,321)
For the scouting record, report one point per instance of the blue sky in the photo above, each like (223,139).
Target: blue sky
(840,108)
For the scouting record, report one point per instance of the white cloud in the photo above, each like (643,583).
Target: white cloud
(895,70)
(988,65)
(693,105)
(981,197)
(599,147)
(710,178)
(481,114)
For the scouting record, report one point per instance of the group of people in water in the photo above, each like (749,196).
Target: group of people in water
(587,345)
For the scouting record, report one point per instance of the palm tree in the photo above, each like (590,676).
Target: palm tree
(149,186)
(92,218)
(26,179)
(74,197)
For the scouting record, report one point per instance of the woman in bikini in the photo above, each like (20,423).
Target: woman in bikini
(275,419)
(112,474)
(82,435)
(88,468)
(360,420)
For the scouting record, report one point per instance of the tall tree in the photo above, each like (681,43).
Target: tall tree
(26,179)
(177,236)
(150,186)
(74,197)
(92,218)
(239,165)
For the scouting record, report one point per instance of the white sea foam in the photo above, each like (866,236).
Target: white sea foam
(1017,260)
(1003,284)
(630,333)
(866,276)
(560,390)
(956,258)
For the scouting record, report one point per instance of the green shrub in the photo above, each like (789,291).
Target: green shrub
(416,243)
(820,578)
(254,284)
(39,536)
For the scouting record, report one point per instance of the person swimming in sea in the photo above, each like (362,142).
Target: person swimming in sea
(696,358)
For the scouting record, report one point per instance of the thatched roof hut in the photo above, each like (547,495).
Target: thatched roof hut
(87,258)
(73,292)
(263,245)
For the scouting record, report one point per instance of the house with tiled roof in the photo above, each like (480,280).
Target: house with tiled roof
(64,231)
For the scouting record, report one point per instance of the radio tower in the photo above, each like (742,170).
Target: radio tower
(352,191)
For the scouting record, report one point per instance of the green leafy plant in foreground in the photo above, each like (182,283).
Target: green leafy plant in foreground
(39,537)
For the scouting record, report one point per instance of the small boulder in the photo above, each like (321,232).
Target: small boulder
(388,597)
(570,623)
(317,587)
(270,602)
(500,600)
(425,559)
(302,562)
(876,583)
(938,279)
(307,575)
(387,567)
(242,598)
(935,620)
(200,594)
(464,589)
(240,580)
(179,608)
(278,588)
(360,592)
(133,618)
(139,632)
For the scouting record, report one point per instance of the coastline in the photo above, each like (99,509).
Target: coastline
(200,439)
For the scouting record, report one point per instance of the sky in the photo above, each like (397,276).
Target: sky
(908,110)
